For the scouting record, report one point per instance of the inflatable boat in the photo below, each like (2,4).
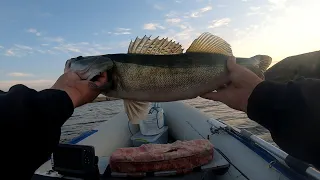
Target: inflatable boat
(238,154)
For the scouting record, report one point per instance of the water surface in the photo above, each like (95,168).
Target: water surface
(91,115)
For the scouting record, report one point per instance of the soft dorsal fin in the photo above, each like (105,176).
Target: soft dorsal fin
(154,46)
(209,43)
(264,61)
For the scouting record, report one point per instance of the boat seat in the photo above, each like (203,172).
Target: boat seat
(218,166)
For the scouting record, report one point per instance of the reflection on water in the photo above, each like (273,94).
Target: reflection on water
(91,115)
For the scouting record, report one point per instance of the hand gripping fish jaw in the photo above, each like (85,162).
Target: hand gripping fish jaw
(90,67)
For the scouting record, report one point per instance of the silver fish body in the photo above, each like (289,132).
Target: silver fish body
(167,77)
(147,74)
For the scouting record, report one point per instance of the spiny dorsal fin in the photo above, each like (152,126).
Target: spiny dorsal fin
(154,46)
(264,61)
(136,110)
(209,43)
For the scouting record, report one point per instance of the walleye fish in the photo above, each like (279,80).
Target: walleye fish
(293,67)
(157,70)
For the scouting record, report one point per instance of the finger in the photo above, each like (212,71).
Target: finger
(101,79)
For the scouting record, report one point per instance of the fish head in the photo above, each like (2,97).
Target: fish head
(88,67)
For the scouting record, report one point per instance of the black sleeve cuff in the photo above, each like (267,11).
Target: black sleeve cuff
(266,99)
(60,107)
(47,109)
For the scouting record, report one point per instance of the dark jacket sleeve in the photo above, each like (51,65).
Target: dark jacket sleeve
(291,112)
(30,123)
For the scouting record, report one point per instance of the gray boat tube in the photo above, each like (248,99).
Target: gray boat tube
(290,161)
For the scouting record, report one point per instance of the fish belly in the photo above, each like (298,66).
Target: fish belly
(161,84)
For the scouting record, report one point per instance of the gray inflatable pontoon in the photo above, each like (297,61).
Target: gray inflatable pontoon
(237,153)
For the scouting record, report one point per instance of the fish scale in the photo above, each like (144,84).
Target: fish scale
(157,70)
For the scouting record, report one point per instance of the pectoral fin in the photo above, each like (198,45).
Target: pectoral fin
(136,110)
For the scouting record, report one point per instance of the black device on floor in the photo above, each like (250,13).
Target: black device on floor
(75,160)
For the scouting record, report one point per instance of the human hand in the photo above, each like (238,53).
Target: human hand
(79,91)
(237,93)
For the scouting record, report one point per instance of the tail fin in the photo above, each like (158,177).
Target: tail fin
(256,71)
(264,61)
(257,64)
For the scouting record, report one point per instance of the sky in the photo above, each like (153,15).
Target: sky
(38,36)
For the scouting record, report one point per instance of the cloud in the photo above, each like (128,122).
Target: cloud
(255,10)
(117,31)
(20,74)
(171,14)
(23,47)
(122,31)
(277,4)
(41,51)
(152,26)
(54,39)
(107,32)
(19,50)
(182,26)
(183,36)
(173,20)
(34,31)
(1,47)
(205,9)
(158,7)
(219,22)
(69,48)
(199,12)
(10,52)
(82,48)
(38,84)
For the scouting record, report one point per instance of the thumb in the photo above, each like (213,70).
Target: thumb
(85,85)
(232,64)
(87,91)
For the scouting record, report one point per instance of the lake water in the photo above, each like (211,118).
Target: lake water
(91,115)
